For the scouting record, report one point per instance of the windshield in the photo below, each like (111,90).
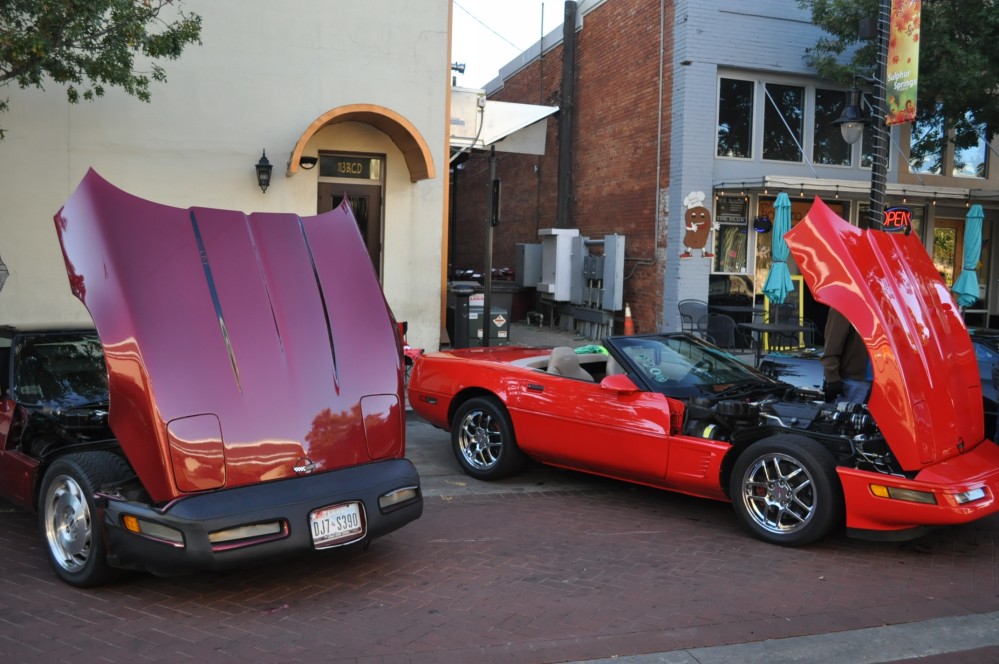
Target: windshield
(684,366)
(62,371)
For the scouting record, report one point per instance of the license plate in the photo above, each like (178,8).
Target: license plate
(336,525)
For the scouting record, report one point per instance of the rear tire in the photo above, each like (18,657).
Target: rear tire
(70,524)
(785,490)
(483,440)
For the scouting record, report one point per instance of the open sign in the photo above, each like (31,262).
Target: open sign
(897,220)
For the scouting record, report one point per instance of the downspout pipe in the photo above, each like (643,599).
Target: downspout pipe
(566,117)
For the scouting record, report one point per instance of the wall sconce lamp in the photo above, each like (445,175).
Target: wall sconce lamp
(308,163)
(264,169)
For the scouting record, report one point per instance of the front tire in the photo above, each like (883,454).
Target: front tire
(786,491)
(68,516)
(483,441)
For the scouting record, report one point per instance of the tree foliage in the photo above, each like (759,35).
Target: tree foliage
(958,58)
(89,45)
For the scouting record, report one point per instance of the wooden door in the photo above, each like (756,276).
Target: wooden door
(366,202)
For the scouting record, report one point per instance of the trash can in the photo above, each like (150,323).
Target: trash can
(499,326)
(458,323)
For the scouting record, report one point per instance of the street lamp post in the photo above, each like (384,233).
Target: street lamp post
(853,120)
(881,136)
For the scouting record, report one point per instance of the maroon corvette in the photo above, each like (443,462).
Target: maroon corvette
(239,401)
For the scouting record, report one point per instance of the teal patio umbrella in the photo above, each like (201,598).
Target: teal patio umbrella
(965,287)
(778,283)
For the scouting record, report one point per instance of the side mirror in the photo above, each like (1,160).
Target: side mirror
(619,383)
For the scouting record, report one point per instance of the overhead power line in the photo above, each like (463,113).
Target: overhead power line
(483,24)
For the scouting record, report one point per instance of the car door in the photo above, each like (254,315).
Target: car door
(579,424)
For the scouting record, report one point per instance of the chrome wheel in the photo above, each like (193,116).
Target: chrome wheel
(779,494)
(69,520)
(68,524)
(480,440)
(786,490)
(483,440)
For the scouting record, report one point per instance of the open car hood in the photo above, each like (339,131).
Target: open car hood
(927,395)
(240,348)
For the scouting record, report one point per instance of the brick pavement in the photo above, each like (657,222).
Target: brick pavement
(595,570)
(551,566)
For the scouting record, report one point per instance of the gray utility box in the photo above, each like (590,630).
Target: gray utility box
(598,278)
(498,322)
(527,265)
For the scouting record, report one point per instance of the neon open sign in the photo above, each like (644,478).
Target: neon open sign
(897,220)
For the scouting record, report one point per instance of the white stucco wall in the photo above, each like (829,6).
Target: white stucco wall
(263,73)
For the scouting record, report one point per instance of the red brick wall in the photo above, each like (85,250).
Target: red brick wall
(614,152)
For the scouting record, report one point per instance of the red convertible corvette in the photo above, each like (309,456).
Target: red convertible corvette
(670,411)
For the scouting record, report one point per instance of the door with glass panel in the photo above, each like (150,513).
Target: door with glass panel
(948,248)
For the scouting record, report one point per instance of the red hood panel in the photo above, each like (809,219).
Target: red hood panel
(272,323)
(927,396)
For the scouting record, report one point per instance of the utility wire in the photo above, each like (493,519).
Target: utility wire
(480,22)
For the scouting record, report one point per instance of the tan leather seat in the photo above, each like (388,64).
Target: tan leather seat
(564,362)
(613,367)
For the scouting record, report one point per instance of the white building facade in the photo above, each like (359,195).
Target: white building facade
(345,98)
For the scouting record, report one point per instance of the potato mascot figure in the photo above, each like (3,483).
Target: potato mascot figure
(698,225)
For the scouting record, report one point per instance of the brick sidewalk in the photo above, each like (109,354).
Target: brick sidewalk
(544,576)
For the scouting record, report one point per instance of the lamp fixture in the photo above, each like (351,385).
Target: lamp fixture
(308,163)
(852,120)
(264,169)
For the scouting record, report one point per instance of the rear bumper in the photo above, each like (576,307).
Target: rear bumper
(288,502)
(953,485)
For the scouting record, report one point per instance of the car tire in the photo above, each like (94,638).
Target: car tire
(483,440)
(70,524)
(785,490)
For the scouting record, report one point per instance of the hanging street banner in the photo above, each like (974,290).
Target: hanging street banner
(903,60)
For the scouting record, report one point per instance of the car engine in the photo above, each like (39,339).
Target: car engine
(847,430)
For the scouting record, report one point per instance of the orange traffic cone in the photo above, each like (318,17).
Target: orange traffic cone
(629,325)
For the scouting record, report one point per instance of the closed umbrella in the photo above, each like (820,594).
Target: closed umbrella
(778,283)
(965,287)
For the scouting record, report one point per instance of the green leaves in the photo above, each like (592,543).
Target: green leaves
(959,64)
(89,45)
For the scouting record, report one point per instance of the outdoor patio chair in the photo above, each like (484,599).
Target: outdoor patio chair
(691,311)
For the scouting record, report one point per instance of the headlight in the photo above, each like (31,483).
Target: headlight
(969,496)
(396,499)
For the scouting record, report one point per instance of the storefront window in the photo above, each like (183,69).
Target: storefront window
(970,153)
(764,241)
(926,146)
(829,147)
(732,237)
(783,122)
(735,118)
(867,148)
(918,219)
